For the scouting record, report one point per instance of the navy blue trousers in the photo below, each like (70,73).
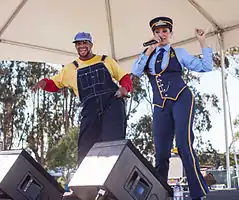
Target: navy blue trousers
(176,118)
(103,119)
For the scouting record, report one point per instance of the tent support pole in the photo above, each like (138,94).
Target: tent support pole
(110,27)
(222,55)
(12,17)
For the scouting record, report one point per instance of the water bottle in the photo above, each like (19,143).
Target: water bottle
(178,192)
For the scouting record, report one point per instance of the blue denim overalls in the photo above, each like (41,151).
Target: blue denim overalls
(103,114)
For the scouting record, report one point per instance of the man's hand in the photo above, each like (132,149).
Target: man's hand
(41,84)
(200,34)
(152,47)
(121,93)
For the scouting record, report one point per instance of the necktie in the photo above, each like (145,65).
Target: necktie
(158,62)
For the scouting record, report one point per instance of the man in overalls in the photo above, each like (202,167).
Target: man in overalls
(173,101)
(92,78)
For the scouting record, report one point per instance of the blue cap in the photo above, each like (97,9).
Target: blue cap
(82,36)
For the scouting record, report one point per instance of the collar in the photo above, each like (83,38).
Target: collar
(166,47)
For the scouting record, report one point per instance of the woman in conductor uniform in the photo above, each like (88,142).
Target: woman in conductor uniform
(173,101)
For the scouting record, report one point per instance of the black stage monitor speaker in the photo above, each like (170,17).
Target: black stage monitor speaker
(22,178)
(120,171)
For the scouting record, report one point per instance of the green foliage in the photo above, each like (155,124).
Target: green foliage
(64,153)
(36,121)
(204,102)
(137,95)
(13,100)
(141,133)
(236,121)
(207,155)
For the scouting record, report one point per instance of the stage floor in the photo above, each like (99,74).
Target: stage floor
(219,195)
(213,195)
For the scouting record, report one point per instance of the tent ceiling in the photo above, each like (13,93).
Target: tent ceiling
(42,30)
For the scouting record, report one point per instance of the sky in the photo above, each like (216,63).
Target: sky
(211,82)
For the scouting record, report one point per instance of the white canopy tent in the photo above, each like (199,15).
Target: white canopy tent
(42,30)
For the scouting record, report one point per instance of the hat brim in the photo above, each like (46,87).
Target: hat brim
(162,26)
(83,39)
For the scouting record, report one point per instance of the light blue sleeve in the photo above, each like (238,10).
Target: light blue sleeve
(196,64)
(139,64)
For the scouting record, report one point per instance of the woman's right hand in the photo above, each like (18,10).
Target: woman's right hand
(152,47)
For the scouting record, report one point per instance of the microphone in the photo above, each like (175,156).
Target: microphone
(150,42)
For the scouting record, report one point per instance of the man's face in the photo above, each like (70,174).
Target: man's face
(83,48)
(164,34)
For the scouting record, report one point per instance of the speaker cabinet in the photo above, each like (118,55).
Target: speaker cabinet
(118,168)
(22,178)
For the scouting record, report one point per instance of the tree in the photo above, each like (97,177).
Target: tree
(208,156)
(141,134)
(64,153)
(13,101)
(34,121)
